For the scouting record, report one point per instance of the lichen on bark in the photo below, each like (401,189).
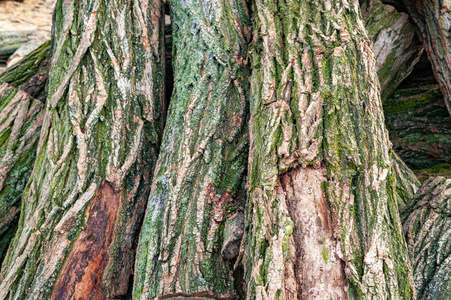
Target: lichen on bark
(99,141)
(187,244)
(316,115)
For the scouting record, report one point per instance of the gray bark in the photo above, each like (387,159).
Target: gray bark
(427,225)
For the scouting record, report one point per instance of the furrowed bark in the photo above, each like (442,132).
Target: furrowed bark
(193,224)
(83,207)
(395,44)
(433,20)
(21,116)
(322,216)
(427,225)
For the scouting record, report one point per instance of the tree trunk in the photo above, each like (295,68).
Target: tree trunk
(432,18)
(322,217)
(395,44)
(105,112)
(194,221)
(427,225)
(21,116)
(406,183)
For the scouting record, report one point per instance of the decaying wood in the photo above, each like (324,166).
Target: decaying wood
(316,115)
(84,204)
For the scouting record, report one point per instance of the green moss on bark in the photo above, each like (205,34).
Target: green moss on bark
(201,169)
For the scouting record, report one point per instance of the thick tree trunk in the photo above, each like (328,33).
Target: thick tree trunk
(194,222)
(395,44)
(105,112)
(432,18)
(21,115)
(427,225)
(322,216)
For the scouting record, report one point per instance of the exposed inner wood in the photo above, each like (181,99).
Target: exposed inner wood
(318,271)
(83,271)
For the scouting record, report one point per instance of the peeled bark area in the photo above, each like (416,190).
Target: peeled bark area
(432,18)
(84,280)
(188,242)
(316,267)
(316,109)
(104,117)
(395,43)
(427,225)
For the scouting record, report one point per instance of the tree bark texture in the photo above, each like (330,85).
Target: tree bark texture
(100,138)
(406,183)
(419,124)
(427,225)
(433,20)
(395,43)
(194,220)
(322,217)
(21,116)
